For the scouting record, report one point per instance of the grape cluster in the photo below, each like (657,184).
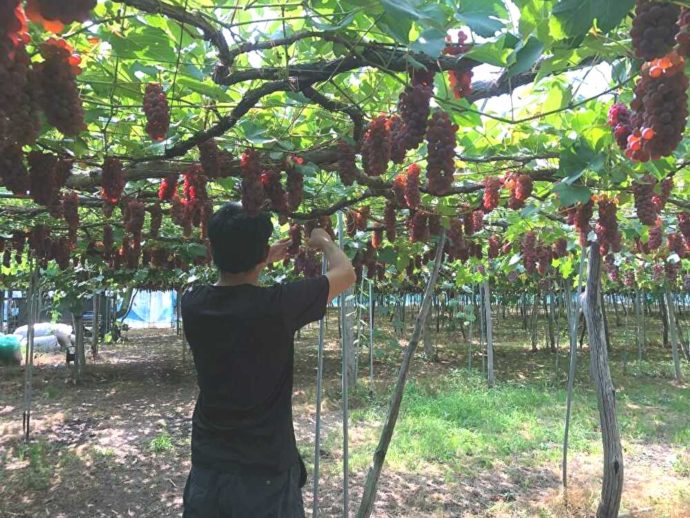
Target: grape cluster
(133,216)
(225,165)
(457,246)
(544,257)
(156,220)
(389,221)
(434,224)
(520,186)
(181,215)
(40,243)
(655,237)
(376,146)
(659,200)
(684,225)
(64,12)
(347,167)
(398,188)
(70,210)
(377,237)
(658,272)
(494,246)
(307,263)
(43,177)
(295,235)
(60,252)
(676,244)
(672,270)
(350,225)
(57,83)
(294,184)
(253,195)
(529,251)
(157,112)
(629,279)
(620,121)
(477,220)
(108,241)
(441,153)
(683,36)
(411,191)
(419,227)
(397,131)
(112,181)
(195,195)
(560,248)
(643,192)
(654,28)
(19,122)
(13,170)
(461,79)
(491,196)
(270,181)
(209,156)
(130,252)
(362,217)
(660,109)
(413,107)
(580,217)
(606,228)
(168,187)
(611,268)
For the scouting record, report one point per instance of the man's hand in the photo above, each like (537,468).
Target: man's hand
(278,252)
(319,239)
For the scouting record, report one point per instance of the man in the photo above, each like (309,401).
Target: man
(245,462)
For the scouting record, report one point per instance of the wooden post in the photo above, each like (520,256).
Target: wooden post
(371,482)
(612,485)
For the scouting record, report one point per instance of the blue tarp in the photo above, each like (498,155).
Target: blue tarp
(152,309)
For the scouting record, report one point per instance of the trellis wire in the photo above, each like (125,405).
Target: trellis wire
(317,431)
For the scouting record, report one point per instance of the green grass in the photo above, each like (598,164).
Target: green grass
(161,443)
(37,474)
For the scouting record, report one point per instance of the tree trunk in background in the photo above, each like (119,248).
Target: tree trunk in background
(428,339)
(670,315)
(612,485)
(371,482)
(80,353)
(96,325)
(602,303)
(490,377)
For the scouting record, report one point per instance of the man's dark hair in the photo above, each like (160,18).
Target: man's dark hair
(238,241)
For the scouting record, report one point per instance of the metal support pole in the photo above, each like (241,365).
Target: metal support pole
(345,363)
(317,432)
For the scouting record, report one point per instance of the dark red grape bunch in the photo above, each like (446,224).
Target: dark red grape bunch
(56,78)
(643,192)
(529,252)
(684,225)
(295,239)
(620,121)
(270,181)
(665,187)
(70,210)
(676,244)
(411,191)
(494,246)
(606,228)
(42,177)
(376,146)
(347,167)
(209,156)
(654,28)
(441,153)
(112,181)
(307,263)
(195,194)
(377,237)
(134,214)
(60,252)
(361,216)
(62,11)
(477,220)
(389,221)
(253,195)
(397,129)
(419,228)
(491,196)
(13,174)
(398,189)
(413,107)
(683,36)
(108,241)
(181,215)
(544,256)
(520,186)
(156,220)
(580,217)
(655,237)
(168,187)
(157,112)
(434,224)
(295,182)
(460,79)
(560,248)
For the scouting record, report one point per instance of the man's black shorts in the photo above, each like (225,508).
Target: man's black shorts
(214,494)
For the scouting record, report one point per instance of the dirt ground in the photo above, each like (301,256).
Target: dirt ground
(118,445)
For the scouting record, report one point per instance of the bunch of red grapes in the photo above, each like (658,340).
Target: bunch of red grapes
(441,153)
(181,215)
(59,97)
(60,251)
(676,244)
(560,248)
(620,121)
(491,196)
(544,256)
(376,146)
(13,170)
(419,227)
(112,181)
(413,107)
(461,79)
(307,263)
(683,36)
(654,28)
(209,156)
(157,112)
(389,221)
(643,192)
(397,130)
(270,181)
(398,189)
(659,200)
(411,191)
(295,235)
(195,195)
(347,167)
(156,220)
(70,210)
(377,237)
(520,186)
(580,217)
(62,11)
(684,225)
(42,177)
(529,252)
(253,195)
(434,224)
(133,216)
(611,268)
(655,237)
(494,246)
(606,228)
(295,182)
(361,217)
(168,187)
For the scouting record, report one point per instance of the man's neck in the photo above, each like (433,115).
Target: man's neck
(236,279)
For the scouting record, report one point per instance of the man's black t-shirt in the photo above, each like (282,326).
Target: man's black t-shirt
(242,340)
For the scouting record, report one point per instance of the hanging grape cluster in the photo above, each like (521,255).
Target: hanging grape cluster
(307,263)
(42,177)
(676,244)
(253,195)
(529,252)
(654,28)
(418,227)
(112,181)
(157,112)
(347,167)
(397,132)
(441,153)
(195,196)
(520,186)
(62,11)
(560,248)
(643,192)
(270,181)
(461,79)
(168,187)
(295,183)
(70,210)
(413,107)
(376,146)
(491,196)
(411,193)
(655,237)
(57,83)
(683,36)
(684,225)
(619,120)
(13,170)
(665,187)
(156,220)
(389,221)
(580,217)
(606,228)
